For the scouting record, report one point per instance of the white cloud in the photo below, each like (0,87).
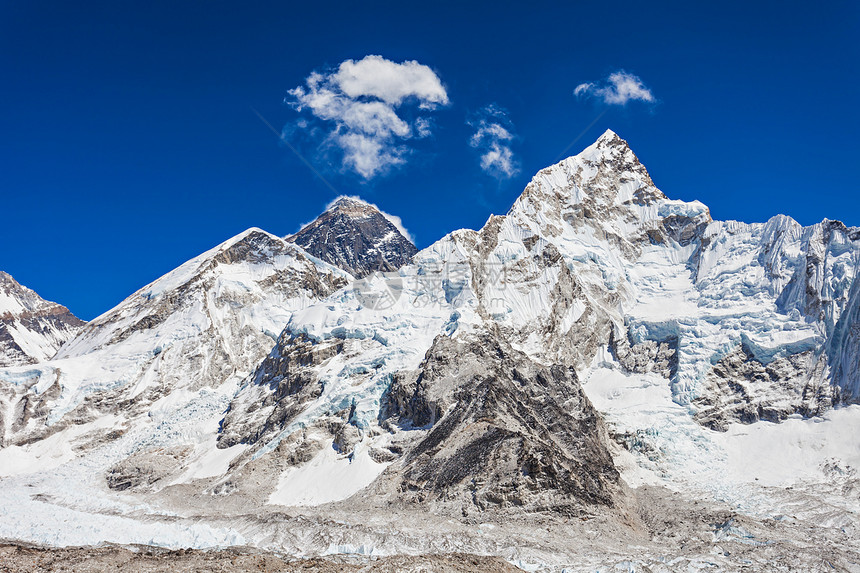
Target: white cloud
(619,88)
(391,82)
(367,155)
(493,139)
(359,102)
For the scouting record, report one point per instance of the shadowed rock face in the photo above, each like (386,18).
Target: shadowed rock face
(32,329)
(356,237)
(504,432)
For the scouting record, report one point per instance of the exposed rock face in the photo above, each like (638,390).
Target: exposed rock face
(32,329)
(280,388)
(660,356)
(356,237)
(742,388)
(500,431)
(478,426)
(145,468)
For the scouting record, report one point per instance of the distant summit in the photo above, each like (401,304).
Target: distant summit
(356,237)
(32,329)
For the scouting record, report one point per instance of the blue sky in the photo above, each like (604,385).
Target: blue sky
(130,142)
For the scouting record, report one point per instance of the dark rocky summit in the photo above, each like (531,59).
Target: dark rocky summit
(356,237)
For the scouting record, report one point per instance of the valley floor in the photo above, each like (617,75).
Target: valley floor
(18,558)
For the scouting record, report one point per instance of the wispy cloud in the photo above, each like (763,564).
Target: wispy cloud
(360,104)
(492,138)
(618,89)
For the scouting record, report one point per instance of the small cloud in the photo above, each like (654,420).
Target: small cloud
(358,103)
(493,137)
(374,76)
(619,88)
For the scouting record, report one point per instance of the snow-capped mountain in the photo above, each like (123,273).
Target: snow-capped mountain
(594,258)
(32,329)
(587,382)
(356,237)
(207,323)
(676,325)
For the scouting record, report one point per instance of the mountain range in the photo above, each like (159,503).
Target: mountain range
(602,377)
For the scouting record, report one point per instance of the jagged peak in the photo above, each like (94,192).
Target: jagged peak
(192,268)
(351,205)
(355,207)
(223,246)
(347,200)
(16,298)
(608,147)
(32,329)
(356,236)
(605,171)
(249,232)
(608,144)
(611,138)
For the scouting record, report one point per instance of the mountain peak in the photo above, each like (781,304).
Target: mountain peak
(606,177)
(351,205)
(32,329)
(610,139)
(356,236)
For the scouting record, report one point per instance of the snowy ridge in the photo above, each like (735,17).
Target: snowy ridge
(637,262)
(648,298)
(204,324)
(31,328)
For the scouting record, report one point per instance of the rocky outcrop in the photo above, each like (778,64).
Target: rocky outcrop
(499,431)
(742,388)
(658,356)
(284,383)
(144,469)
